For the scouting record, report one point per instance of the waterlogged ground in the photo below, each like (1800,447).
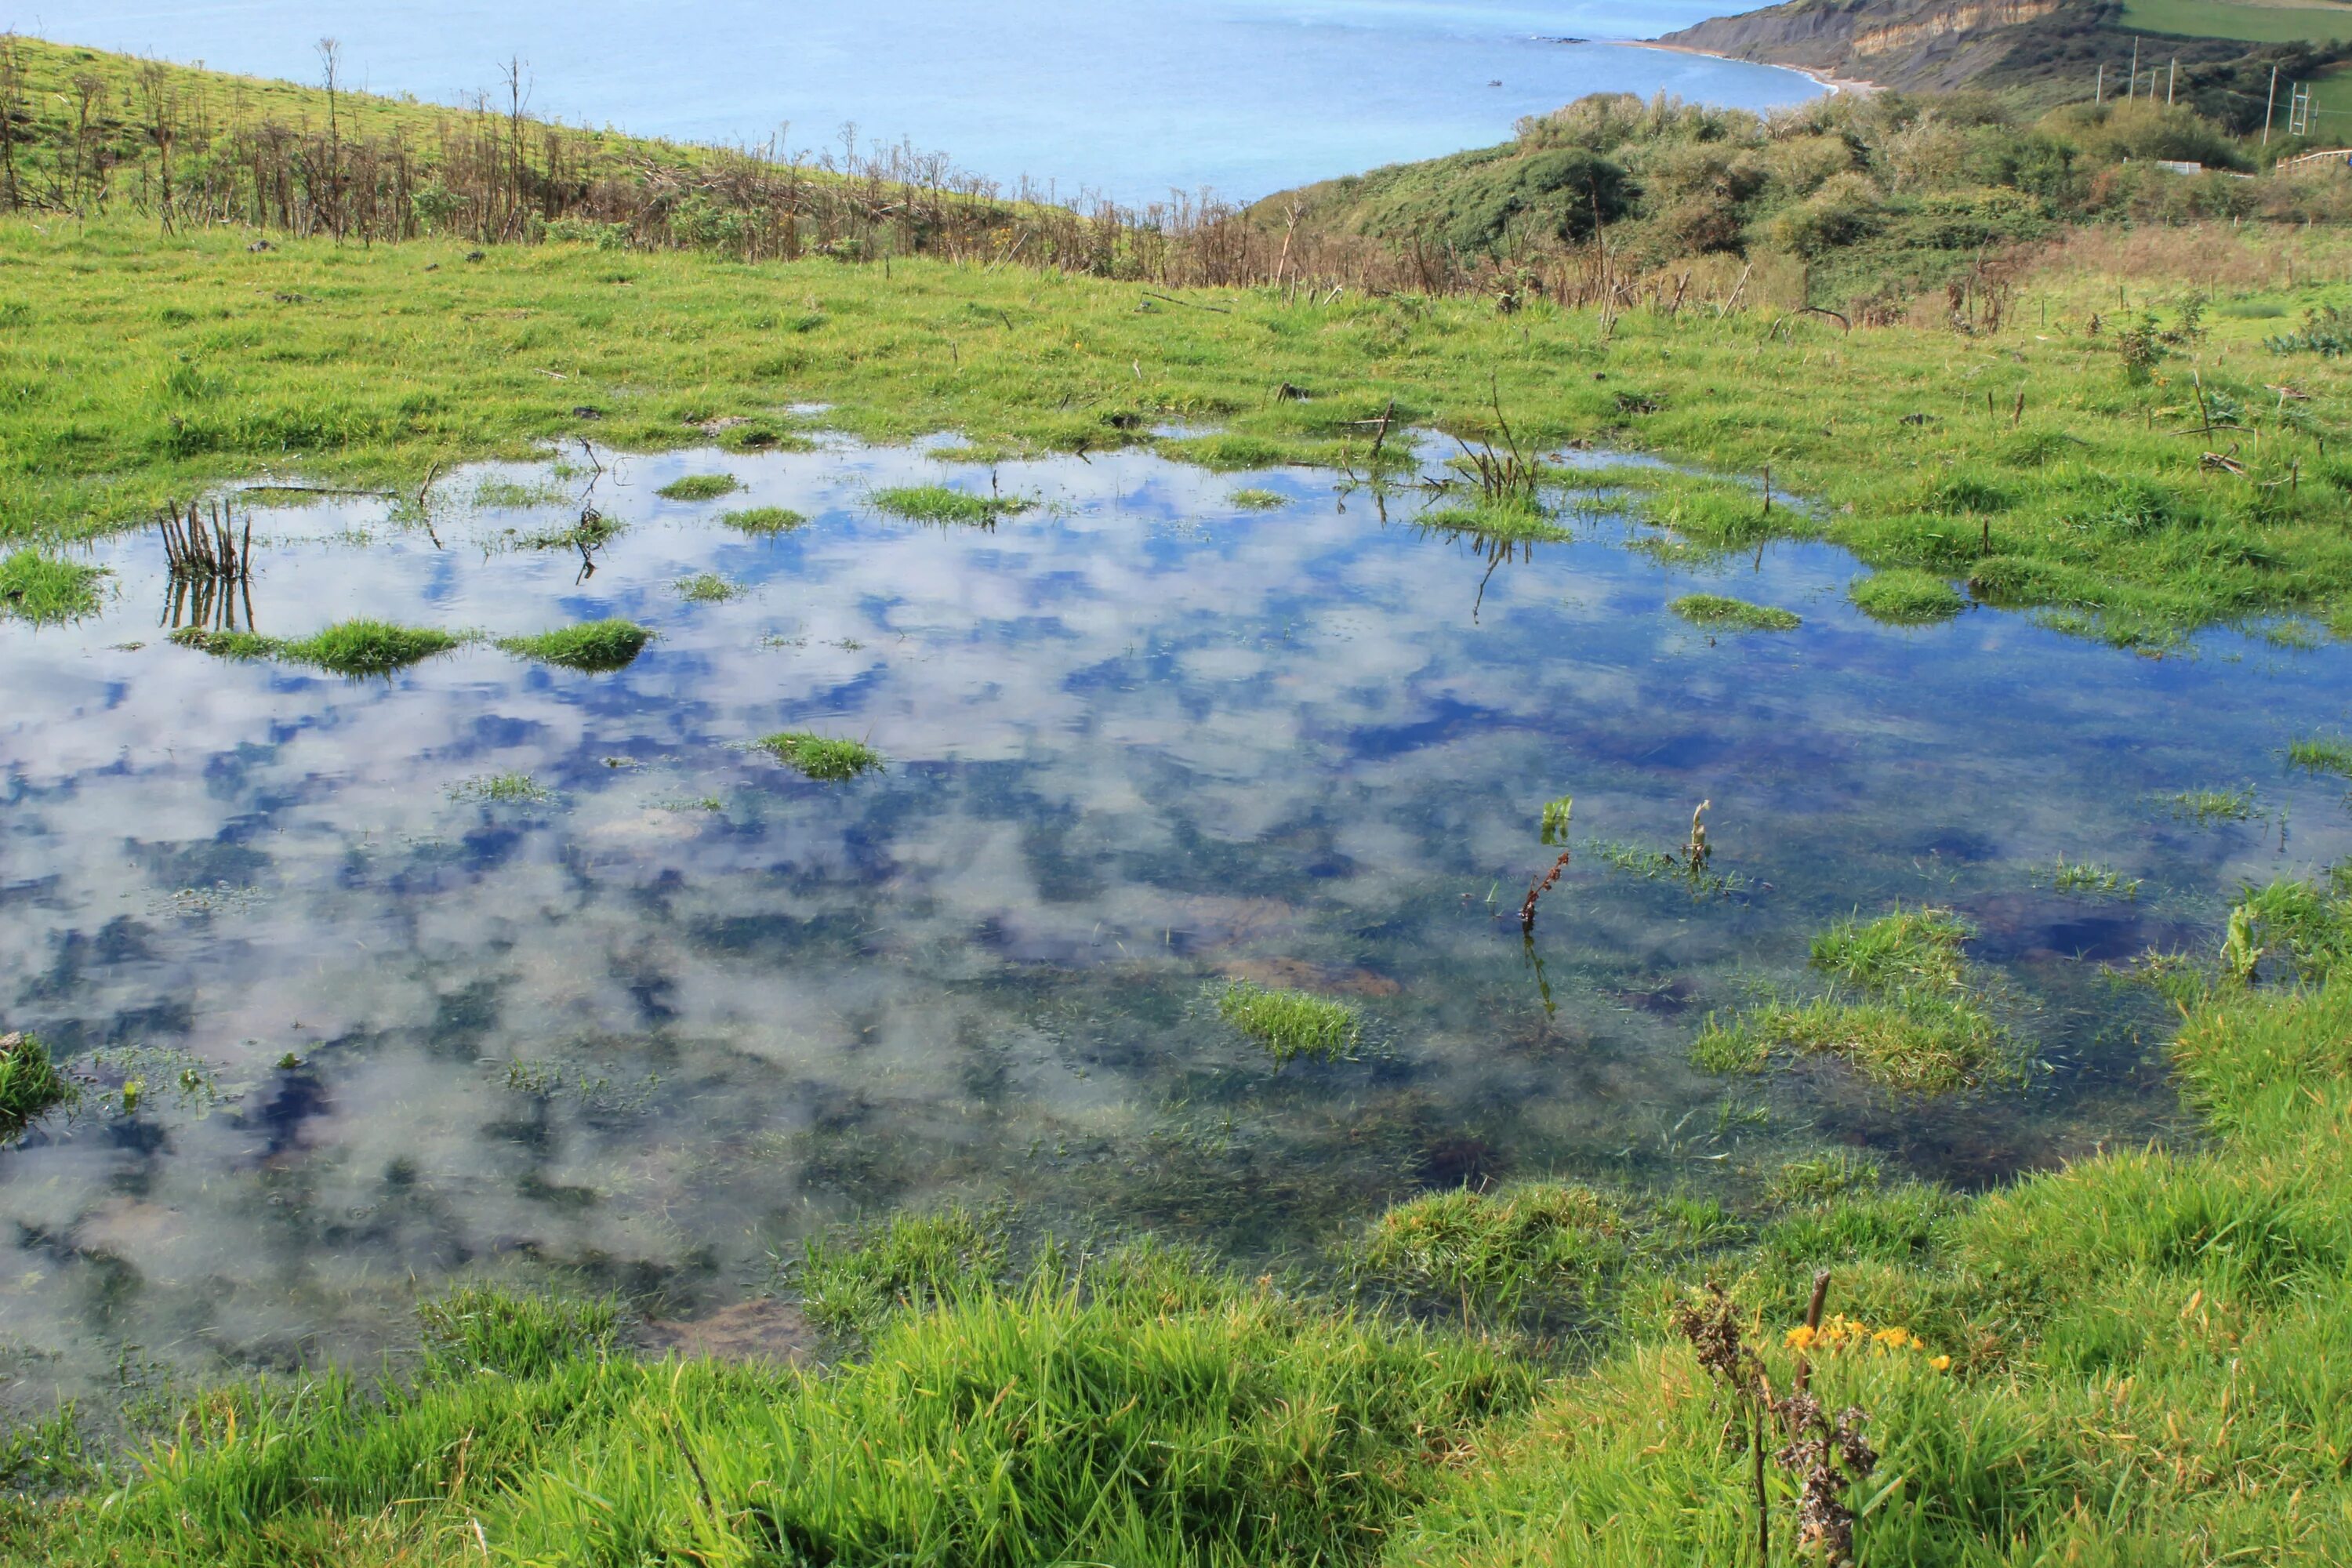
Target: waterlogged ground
(685,1006)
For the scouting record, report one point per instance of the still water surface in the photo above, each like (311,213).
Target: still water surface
(688,1006)
(1124,98)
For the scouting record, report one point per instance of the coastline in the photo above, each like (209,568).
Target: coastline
(1831,83)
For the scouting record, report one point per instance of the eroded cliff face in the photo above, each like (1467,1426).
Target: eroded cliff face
(1893,43)
(1888,38)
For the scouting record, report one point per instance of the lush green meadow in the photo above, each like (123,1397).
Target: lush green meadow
(2255,24)
(2051,464)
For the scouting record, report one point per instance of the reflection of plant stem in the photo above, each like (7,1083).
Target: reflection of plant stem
(1527,909)
(1543,986)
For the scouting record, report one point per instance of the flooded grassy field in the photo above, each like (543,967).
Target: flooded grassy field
(487,966)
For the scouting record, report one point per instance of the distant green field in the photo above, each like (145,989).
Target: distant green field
(2255,24)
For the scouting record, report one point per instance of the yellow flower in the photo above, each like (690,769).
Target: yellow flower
(1940,1362)
(1802,1337)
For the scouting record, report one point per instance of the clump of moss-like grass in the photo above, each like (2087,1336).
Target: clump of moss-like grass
(699,487)
(44,590)
(1917,1023)
(938,504)
(2322,754)
(707,588)
(826,758)
(593,532)
(1716,612)
(1258,499)
(30,1084)
(1292,1024)
(1497,1252)
(1905,596)
(763,519)
(592,645)
(364,646)
(2207,807)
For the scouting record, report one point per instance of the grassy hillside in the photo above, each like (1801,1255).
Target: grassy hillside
(2253,24)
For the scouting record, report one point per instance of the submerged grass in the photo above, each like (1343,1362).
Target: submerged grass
(1714,611)
(1496,520)
(592,646)
(503,789)
(707,588)
(939,504)
(2322,754)
(44,590)
(1258,499)
(2207,807)
(826,758)
(1292,1024)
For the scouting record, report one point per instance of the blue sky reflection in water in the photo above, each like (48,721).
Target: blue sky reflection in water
(1141,741)
(1131,100)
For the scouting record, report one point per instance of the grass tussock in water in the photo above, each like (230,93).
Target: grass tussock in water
(1257,500)
(2208,807)
(1899,597)
(708,588)
(939,504)
(699,487)
(1716,612)
(2322,754)
(1292,1024)
(1903,1010)
(762,520)
(44,590)
(850,1284)
(828,759)
(592,646)
(30,1084)
(357,647)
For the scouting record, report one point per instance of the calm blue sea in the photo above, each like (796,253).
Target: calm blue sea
(1126,98)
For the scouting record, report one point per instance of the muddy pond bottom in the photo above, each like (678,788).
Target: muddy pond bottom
(492,968)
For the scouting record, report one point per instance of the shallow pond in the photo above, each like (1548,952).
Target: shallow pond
(671,1006)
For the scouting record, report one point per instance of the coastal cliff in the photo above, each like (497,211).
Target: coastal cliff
(1938,45)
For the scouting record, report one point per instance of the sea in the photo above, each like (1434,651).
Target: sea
(1130,100)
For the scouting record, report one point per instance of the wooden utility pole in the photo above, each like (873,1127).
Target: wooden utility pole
(2172,77)
(2268,102)
(2099,89)
(2132,87)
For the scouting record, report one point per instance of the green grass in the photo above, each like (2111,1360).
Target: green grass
(390,369)
(1292,1024)
(1717,612)
(938,504)
(362,647)
(30,1084)
(708,588)
(1898,596)
(2090,877)
(2136,1356)
(1906,949)
(1903,1012)
(699,487)
(1556,814)
(2252,24)
(1495,1252)
(355,648)
(593,646)
(503,789)
(44,590)
(762,520)
(1257,500)
(2207,807)
(2322,754)
(828,759)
